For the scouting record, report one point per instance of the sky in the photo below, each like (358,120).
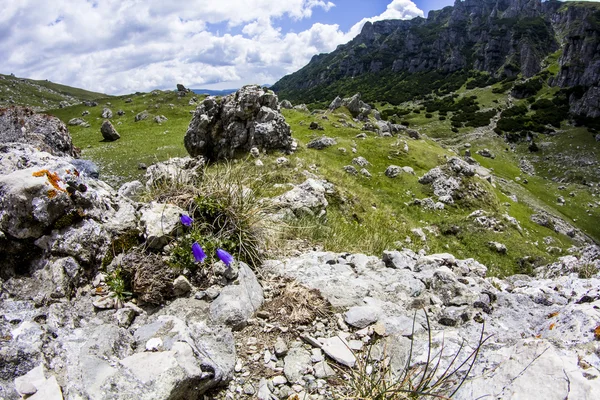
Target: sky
(124,46)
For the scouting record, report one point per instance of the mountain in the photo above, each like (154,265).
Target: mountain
(491,40)
(41,94)
(211,92)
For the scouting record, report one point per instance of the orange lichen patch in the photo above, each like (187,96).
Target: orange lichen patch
(552,315)
(68,171)
(597,332)
(552,326)
(76,173)
(52,193)
(53,178)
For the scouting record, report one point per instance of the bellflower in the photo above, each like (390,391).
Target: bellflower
(198,253)
(185,220)
(225,257)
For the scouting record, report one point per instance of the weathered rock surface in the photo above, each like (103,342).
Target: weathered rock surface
(175,171)
(44,132)
(448,181)
(321,143)
(236,123)
(548,340)
(238,302)
(308,198)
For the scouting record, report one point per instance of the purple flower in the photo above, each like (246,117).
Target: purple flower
(198,252)
(185,220)
(224,256)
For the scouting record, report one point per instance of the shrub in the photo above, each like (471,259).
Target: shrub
(428,115)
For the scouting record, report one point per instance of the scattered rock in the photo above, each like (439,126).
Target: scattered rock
(321,143)
(107,113)
(109,133)
(141,116)
(393,171)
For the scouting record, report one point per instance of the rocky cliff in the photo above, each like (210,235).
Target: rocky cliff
(504,38)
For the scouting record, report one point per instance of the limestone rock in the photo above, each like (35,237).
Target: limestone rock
(175,171)
(109,133)
(249,118)
(159,222)
(237,303)
(44,132)
(107,113)
(321,143)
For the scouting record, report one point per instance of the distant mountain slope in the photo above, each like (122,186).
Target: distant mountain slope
(41,95)
(398,60)
(210,92)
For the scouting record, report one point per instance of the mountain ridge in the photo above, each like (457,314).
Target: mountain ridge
(506,39)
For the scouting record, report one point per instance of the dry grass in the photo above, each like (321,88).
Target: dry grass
(293,304)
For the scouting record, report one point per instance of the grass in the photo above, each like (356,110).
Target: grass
(143,142)
(374,377)
(41,94)
(373,214)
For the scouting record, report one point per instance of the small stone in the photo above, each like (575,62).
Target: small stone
(258,163)
(249,390)
(323,370)
(362,316)
(124,317)
(279,380)
(154,344)
(337,348)
(281,348)
(181,286)
(105,302)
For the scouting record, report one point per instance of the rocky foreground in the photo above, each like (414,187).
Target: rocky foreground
(296,326)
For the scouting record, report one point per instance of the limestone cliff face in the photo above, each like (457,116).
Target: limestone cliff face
(502,37)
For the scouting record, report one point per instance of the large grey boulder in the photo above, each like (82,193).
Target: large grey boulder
(286,104)
(47,207)
(249,118)
(447,181)
(44,132)
(109,133)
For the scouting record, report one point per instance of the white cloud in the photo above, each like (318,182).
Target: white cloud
(121,46)
(397,9)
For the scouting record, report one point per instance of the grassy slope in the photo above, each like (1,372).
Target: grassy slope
(141,142)
(40,94)
(367,214)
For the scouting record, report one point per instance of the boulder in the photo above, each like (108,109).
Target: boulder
(308,198)
(238,302)
(159,119)
(159,221)
(286,104)
(107,113)
(44,132)
(234,124)
(109,133)
(141,116)
(78,122)
(321,143)
(175,171)
(393,171)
